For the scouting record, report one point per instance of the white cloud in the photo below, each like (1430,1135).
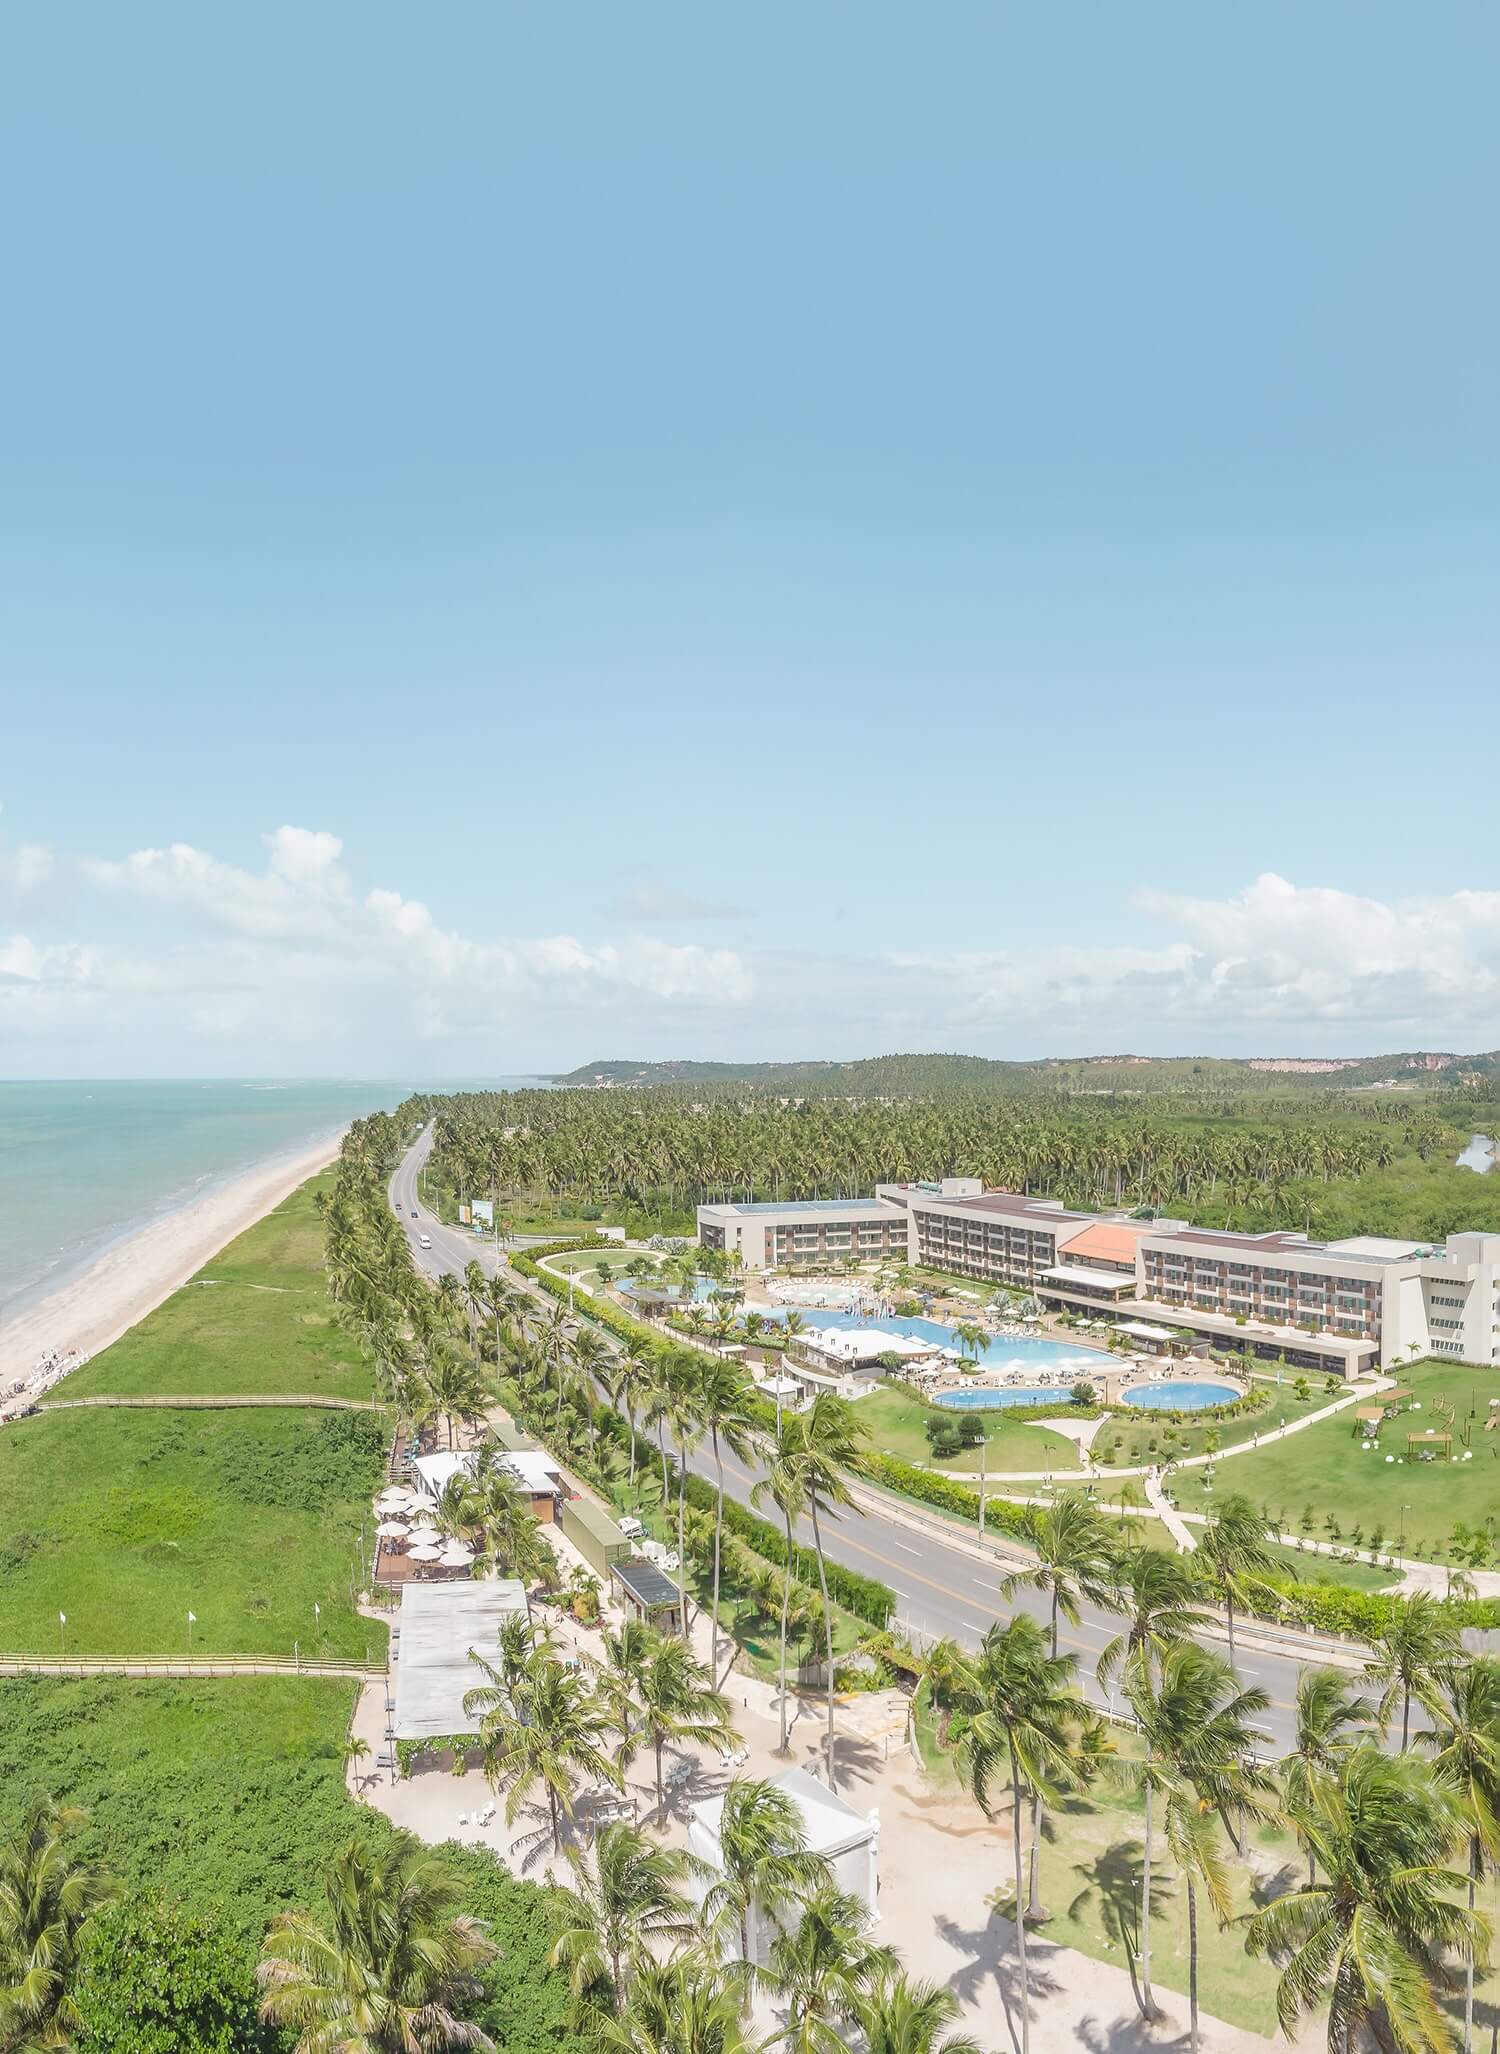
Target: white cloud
(296,966)
(25,868)
(660,902)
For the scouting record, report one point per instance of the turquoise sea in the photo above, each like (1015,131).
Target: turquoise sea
(83,1163)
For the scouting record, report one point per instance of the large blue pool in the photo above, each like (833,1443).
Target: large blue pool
(1003,1351)
(982,1400)
(1182,1395)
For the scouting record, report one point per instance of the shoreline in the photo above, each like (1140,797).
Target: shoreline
(138,1271)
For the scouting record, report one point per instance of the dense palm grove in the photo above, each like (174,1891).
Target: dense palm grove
(1225,1161)
(1391,1786)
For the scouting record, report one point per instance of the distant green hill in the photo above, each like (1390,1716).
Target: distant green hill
(904,1075)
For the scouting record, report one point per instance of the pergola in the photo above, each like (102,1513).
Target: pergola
(1368,1418)
(1430,1439)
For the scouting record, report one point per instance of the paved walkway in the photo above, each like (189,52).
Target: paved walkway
(1168,1514)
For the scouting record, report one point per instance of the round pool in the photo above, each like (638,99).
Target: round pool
(1181,1395)
(990,1400)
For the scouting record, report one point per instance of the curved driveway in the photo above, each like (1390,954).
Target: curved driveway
(942,1585)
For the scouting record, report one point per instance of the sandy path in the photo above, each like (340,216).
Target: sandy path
(135,1275)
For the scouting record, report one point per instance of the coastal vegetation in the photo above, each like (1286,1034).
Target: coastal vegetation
(1331,1162)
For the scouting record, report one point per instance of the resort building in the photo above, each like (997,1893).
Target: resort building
(851,1362)
(1336,1306)
(848,1840)
(769,1235)
(539,1477)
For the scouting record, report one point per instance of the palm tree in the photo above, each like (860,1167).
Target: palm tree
(627,1895)
(550,1732)
(356,1750)
(1369,1939)
(786,1485)
(723,1406)
(677,1701)
(1160,1596)
(828,1448)
(686,1423)
(1024,1716)
(1411,1654)
(824,1970)
(900,2016)
(1328,1716)
(631,1382)
(971,1338)
(1196,1725)
(626,1654)
(47,1901)
(683,2006)
(389,1968)
(1466,1737)
(1075,1562)
(1234,1554)
(764,1865)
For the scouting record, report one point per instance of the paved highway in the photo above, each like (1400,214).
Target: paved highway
(942,1587)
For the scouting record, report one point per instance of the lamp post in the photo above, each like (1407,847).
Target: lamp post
(1401,1528)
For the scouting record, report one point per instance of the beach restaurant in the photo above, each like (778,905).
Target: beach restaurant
(535,1471)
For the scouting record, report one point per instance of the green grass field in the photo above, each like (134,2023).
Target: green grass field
(228,1793)
(256,1318)
(1133,1437)
(128,1520)
(1323,1473)
(896,1422)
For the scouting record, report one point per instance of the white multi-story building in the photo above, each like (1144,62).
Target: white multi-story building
(1342,1306)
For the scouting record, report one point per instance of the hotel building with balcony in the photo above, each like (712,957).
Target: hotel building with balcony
(1344,1306)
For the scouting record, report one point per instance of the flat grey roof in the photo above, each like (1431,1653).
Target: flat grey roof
(440,1623)
(645,1582)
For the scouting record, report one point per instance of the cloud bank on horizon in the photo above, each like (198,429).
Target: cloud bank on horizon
(173,961)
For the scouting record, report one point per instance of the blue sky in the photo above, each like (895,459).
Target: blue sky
(762,532)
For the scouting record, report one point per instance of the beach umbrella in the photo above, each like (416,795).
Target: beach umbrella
(425,1536)
(391,1529)
(457,1556)
(425,1554)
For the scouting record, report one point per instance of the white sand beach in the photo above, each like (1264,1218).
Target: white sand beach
(140,1271)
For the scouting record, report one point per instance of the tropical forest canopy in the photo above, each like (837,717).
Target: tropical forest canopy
(1321,1159)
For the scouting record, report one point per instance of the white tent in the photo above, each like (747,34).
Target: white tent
(848,1840)
(440,1623)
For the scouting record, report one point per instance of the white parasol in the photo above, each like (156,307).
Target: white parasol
(425,1554)
(456,1556)
(391,1529)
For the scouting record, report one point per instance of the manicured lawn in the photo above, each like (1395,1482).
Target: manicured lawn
(1323,1473)
(257,1318)
(896,1422)
(1133,1436)
(126,1521)
(585,1261)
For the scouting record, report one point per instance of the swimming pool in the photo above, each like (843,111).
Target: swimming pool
(1003,1351)
(981,1400)
(1183,1395)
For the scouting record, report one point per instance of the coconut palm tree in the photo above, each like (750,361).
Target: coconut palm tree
(685,1420)
(900,2016)
(1197,1727)
(824,1968)
(390,1966)
(624,1897)
(677,1701)
(550,1731)
(828,1448)
(1233,1553)
(1329,1716)
(1161,1599)
(1025,1716)
(1411,1654)
(683,2006)
(785,1484)
(1466,1739)
(626,1653)
(1075,1563)
(356,1750)
(631,1382)
(724,1408)
(764,1865)
(1369,1938)
(47,1901)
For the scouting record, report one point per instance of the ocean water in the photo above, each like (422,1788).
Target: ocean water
(82,1164)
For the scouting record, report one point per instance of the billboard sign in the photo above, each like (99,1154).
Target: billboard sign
(483,1210)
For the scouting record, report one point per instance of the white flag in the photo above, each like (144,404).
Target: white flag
(317,1611)
(62,1618)
(192,1618)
